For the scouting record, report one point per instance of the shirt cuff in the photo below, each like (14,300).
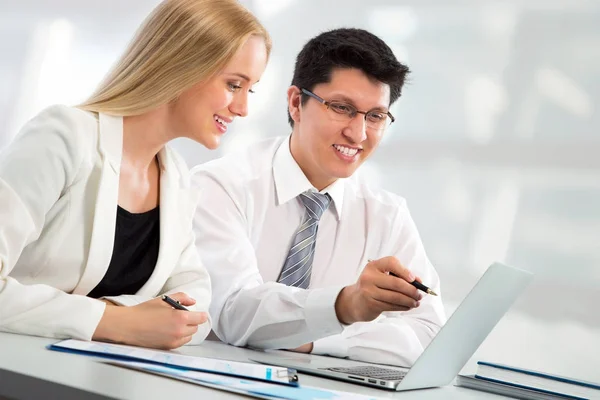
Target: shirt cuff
(334,345)
(320,311)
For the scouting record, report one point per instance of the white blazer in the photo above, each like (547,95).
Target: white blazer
(59,183)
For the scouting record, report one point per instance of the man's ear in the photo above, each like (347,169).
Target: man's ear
(294,96)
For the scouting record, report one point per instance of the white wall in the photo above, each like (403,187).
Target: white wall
(495,146)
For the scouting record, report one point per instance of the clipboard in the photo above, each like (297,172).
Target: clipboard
(266,373)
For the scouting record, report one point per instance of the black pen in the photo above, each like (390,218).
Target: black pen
(417,284)
(420,286)
(173,303)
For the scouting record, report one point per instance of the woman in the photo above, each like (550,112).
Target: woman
(95,210)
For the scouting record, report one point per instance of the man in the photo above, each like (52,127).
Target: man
(279,284)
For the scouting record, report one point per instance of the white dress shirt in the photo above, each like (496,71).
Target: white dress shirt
(59,187)
(246,221)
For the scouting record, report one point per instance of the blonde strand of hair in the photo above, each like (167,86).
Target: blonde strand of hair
(181,43)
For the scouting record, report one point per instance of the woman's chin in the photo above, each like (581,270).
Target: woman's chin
(211,141)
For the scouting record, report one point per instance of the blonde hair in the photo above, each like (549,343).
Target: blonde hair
(181,43)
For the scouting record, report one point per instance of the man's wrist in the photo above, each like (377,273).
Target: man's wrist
(343,309)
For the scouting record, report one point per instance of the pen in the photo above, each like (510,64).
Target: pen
(417,284)
(420,286)
(173,303)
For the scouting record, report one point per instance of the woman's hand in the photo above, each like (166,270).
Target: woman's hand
(153,323)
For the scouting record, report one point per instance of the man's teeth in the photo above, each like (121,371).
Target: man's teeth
(220,120)
(347,151)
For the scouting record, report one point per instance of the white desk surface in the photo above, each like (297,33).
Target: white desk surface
(29,371)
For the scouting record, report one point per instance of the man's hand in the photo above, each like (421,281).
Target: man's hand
(305,348)
(377,291)
(153,323)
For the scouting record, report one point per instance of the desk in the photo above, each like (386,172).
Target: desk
(29,371)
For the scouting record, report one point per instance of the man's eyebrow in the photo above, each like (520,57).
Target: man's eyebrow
(348,100)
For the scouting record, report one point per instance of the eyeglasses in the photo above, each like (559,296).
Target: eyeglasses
(344,112)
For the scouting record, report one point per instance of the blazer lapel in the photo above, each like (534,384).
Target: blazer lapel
(174,211)
(110,143)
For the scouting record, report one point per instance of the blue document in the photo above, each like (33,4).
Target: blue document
(247,387)
(174,360)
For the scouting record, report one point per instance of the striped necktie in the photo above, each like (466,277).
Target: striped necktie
(298,264)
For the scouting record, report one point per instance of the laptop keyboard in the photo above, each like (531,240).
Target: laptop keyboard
(372,372)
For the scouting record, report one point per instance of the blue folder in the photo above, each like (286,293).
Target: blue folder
(271,374)
(543,382)
(540,374)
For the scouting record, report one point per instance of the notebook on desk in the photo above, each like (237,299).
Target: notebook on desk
(511,379)
(469,381)
(448,352)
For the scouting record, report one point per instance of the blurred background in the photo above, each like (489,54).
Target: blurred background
(496,146)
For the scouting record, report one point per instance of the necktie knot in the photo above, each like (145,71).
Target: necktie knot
(315,203)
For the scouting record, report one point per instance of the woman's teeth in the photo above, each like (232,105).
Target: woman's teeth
(220,120)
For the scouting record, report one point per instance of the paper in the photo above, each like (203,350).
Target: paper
(244,386)
(246,370)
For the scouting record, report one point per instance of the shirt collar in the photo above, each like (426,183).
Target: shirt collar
(290,181)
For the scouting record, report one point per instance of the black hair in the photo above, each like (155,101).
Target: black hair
(347,48)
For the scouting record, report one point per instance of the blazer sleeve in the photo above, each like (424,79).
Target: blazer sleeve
(36,170)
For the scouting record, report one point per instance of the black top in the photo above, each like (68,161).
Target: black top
(137,239)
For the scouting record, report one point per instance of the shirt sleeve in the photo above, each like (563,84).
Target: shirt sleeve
(395,338)
(36,169)
(246,311)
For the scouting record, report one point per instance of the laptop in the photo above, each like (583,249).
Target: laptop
(447,353)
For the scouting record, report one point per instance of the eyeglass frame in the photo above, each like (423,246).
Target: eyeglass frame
(357,111)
